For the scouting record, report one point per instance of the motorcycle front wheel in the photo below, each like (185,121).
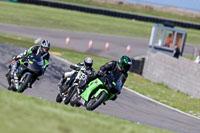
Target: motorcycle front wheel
(96,101)
(24,83)
(71,92)
(74,100)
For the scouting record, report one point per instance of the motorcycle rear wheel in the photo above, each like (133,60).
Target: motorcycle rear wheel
(59,98)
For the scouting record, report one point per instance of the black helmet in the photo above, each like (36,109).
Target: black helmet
(88,62)
(44,46)
(125,63)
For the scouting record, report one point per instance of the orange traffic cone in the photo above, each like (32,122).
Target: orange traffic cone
(128,48)
(67,41)
(90,44)
(106,46)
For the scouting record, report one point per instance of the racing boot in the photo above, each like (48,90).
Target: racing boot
(32,81)
(61,82)
(13,70)
(65,89)
(114,98)
(29,85)
(16,81)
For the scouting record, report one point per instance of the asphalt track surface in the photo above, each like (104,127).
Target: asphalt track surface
(128,106)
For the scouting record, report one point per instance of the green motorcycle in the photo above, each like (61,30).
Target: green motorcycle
(97,92)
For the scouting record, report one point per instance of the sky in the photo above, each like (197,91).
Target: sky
(185,4)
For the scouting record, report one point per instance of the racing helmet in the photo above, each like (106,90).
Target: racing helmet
(88,62)
(45,46)
(125,63)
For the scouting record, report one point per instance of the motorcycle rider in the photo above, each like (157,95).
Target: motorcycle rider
(41,50)
(86,66)
(118,68)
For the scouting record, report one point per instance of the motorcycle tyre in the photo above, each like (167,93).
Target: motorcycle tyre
(58,98)
(25,84)
(99,101)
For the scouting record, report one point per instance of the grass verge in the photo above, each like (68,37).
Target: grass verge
(26,114)
(38,16)
(155,91)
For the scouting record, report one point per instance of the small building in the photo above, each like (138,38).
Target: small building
(165,38)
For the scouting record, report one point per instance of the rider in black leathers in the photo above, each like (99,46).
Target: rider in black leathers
(118,68)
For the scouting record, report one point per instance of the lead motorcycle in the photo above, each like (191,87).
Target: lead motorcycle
(98,91)
(27,72)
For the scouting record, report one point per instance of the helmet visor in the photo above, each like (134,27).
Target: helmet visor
(44,49)
(126,67)
(88,65)
(88,62)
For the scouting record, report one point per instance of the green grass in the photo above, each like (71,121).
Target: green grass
(155,91)
(37,16)
(26,114)
(163,94)
(190,57)
(126,8)
(52,18)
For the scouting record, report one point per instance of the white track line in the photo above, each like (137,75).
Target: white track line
(61,59)
(145,97)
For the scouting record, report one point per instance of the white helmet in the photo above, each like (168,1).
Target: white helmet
(44,46)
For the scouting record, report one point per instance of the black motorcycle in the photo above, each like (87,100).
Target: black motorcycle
(78,79)
(28,71)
